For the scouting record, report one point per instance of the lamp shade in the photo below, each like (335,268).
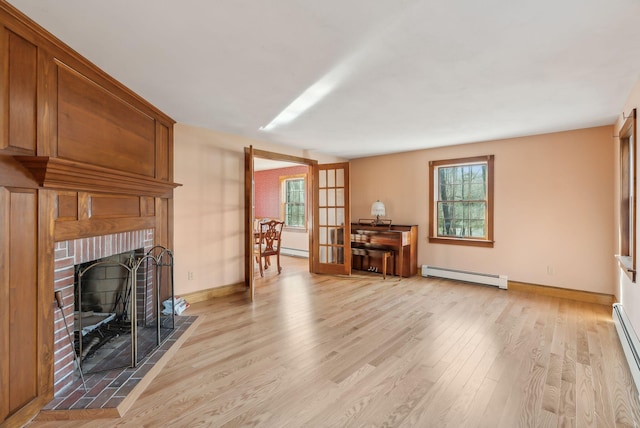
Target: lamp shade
(377,208)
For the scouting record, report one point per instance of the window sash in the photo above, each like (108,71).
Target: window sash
(461,201)
(294,202)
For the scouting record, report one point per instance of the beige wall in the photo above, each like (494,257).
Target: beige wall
(553,207)
(627,292)
(209,207)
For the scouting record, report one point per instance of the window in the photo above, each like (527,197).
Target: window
(627,256)
(293,201)
(461,201)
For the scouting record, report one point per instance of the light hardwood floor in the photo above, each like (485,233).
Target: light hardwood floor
(316,351)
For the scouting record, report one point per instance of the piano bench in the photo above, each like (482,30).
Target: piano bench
(385,254)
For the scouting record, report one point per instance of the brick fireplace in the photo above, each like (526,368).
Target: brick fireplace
(86,171)
(74,252)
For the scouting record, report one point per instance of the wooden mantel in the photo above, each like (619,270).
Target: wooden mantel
(62,174)
(81,155)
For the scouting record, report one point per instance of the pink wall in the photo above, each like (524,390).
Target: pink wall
(267,188)
(553,219)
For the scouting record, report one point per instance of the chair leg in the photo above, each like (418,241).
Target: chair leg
(279,267)
(261,272)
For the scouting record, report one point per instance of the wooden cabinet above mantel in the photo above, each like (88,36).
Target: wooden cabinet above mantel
(81,155)
(56,173)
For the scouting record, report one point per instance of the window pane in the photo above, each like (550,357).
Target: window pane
(331,219)
(461,200)
(323,198)
(336,235)
(331,178)
(340,177)
(340,216)
(323,235)
(331,198)
(322,179)
(294,204)
(340,197)
(322,219)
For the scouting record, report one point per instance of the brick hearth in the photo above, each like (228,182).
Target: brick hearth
(68,254)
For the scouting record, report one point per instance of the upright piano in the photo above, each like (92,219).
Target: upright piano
(368,242)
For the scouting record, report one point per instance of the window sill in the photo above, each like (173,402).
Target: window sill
(461,241)
(626,263)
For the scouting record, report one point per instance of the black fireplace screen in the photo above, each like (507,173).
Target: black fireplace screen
(124,308)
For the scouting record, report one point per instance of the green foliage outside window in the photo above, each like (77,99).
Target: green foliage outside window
(462,201)
(294,209)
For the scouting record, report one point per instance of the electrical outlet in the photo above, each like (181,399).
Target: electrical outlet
(549,270)
(190,276)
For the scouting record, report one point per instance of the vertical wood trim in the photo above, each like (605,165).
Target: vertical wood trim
(23,297)
(170,158)
(161,149)
(23,76)
(248,219)
(4,82)
(161,234)
(490,196)
(4,304)
(45,299)
(311,184)
(47,144)
(84,206)
(169,221)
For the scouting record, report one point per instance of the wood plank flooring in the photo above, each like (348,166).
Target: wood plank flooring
(325,351)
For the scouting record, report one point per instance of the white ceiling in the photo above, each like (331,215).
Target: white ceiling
(388,75)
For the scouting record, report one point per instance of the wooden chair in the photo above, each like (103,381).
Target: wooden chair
(268,243)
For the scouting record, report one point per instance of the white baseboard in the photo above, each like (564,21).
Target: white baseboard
(294,252)
(478,278)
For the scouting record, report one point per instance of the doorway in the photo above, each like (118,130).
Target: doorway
(271,160)
(327,214)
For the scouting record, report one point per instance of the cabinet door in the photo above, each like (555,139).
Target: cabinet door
(18,300)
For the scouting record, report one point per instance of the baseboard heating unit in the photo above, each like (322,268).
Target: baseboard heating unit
(460,275)
(628,340)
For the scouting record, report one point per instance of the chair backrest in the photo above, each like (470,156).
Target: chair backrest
(270,235)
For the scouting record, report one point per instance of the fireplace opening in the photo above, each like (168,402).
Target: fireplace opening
(118,318)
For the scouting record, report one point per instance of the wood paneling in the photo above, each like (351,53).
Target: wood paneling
(67,206)
(23,308)
(161,235)
(95,227)
(45,301)
(47,104)
(22,93)
(162,152)
(5,227)
(113,206)
(147,206)
(14,174)
(96,127)
(80,155)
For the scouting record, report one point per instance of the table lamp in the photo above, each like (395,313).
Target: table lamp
(377,209)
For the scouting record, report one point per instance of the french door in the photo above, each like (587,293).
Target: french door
(329,215)
(331,247)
